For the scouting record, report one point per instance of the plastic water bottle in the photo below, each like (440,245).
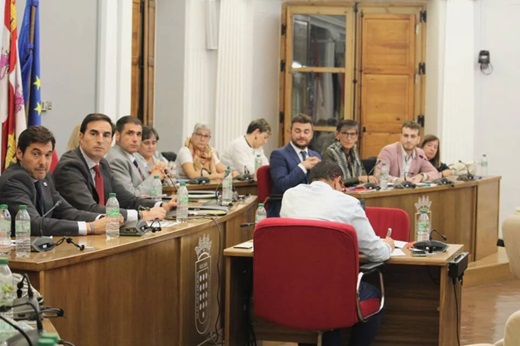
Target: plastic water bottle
(182,203)
(422,232)
(258,164)
(484,166)
(23,232)
(112,212)
(383,176)
(6,298)
(5,230)
(261,213)
(227,188)
(156,192)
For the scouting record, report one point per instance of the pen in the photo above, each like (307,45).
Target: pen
(389,232)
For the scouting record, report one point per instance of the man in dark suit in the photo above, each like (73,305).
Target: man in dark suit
(77,178)
(28,182)
(290,165)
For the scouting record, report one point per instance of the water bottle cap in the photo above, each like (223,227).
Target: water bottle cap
(111,194)
(50,336)
(46,342)
(183,183)
(156,177)
(4,260)
(424,211)
(22,207)
(260,205)
(3,206)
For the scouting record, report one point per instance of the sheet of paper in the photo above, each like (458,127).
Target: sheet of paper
(397,252)
(399,244)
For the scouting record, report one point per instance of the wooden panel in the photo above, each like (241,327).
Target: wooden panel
(488,211)
(417,292)
(136,55)
(139,290)
(387,78)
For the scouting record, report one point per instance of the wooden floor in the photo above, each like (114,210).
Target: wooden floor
(485,309)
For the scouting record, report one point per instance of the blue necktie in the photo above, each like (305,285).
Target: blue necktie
(304,154)
(40,205)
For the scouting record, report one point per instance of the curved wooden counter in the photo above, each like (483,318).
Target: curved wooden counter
(159,289)
(466,213)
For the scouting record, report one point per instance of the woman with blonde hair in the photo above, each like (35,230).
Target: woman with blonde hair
(197,158)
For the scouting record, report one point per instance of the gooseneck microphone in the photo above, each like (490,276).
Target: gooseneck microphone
(468,176)
(433,230)
(42,243)
(368,185)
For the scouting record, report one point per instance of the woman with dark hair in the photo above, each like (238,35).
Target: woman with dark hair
(432,149)
(148,157)
(344,152)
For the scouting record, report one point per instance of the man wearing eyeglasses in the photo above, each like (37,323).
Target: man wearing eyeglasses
(84,179)
(123,164)
(406,161)
(323,199)
(290,165)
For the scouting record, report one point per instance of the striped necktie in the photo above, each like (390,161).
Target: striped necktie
(138,169)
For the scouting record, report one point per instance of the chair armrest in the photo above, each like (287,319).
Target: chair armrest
(366,269)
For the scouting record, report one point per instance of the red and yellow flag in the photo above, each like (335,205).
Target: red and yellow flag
(12,113)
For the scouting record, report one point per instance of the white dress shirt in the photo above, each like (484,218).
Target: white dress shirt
(319,201)
(239,154)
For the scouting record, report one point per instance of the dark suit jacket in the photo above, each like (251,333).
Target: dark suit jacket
(74,182)
(17,187)
(285,173)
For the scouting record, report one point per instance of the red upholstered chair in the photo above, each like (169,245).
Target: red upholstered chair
(383,218)
(306,273)
(264,185)
(54,161)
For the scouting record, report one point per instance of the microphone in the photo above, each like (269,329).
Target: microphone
(439,233)
(41,243)
(371,186)
(405,184)
(466,177)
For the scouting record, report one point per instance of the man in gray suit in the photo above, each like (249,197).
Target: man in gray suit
(123,164)
(28,182)
(78,181)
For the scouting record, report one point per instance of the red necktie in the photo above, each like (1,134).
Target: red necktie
(100,189)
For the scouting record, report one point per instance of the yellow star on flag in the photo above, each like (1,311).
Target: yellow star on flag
(37,82)
(38,108)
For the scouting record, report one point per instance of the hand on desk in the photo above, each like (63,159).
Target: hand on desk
(368,179)
(101,224)
(156,213)
(390,242)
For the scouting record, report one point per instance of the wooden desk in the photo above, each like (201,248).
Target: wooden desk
(140,290)
(245,188)
(467,213)
(421,306)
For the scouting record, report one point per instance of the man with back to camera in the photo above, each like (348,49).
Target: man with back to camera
(123,164)
(323,199)
(28,182)
(406,161)
(77,177)
(290,165)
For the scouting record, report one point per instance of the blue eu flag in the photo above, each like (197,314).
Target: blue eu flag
(29,52)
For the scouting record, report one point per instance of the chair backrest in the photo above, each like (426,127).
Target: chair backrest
(305,273)
(511,234)
(54,161)
(264,183)
(383,218)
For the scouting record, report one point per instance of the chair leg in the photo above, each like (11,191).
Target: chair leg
(320,336)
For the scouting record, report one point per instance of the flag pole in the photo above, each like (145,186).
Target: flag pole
(31,44)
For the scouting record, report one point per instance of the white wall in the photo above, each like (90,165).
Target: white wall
(497,122)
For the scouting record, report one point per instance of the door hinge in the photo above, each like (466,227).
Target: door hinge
(423,16)
(422,68)
(281,117)
(284,27)
(282,65)
(356,9)
(420,120)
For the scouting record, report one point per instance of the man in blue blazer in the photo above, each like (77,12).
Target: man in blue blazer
(290,165)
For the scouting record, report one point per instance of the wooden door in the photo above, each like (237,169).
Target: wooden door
(390,83)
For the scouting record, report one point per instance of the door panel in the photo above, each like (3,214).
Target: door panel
(387,78)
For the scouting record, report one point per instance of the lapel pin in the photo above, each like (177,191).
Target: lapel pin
(45,183)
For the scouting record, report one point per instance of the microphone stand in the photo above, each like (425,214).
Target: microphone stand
(42,243)
(439,233)
(468,176)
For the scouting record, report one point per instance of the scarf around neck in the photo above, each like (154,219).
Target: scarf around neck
(348,161)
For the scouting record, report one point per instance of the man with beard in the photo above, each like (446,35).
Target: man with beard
(406,161)
(290,165)
(28,182)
